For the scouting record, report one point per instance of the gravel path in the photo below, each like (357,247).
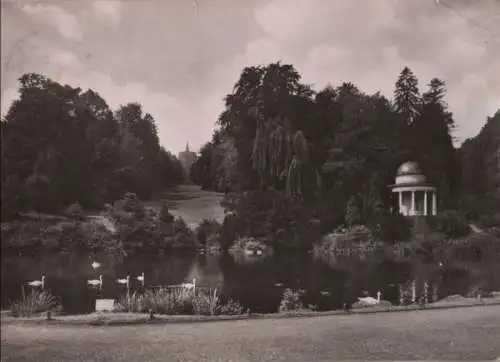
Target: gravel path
(450,334)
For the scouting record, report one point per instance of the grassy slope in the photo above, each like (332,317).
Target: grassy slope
(192,204)
(454,334)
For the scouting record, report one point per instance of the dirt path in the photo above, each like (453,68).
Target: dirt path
(453,334)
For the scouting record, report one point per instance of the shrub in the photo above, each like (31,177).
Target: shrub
(452,223)
(165,216)
(206,303)
(160,301)
(231,307)
(490,220)
(178,301)
(130,303)
(207,231)
(352,211)
(290,301)
(75,211)
(392,228)
(36,302)
(183,236)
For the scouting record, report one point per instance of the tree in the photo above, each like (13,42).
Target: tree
(352,212)
(65,146)
(407,96)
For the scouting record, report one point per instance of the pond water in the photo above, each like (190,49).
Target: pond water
(257,283)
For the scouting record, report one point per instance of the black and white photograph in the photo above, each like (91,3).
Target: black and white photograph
(250,180)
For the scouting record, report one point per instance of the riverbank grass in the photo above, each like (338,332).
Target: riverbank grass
(127,318)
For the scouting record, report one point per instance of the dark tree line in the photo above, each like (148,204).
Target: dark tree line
(481,171)
(330,153)
(62,145)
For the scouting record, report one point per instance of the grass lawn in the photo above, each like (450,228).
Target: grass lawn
(446,334)
(192,204)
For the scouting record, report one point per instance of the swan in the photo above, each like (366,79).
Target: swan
(370,300)
(38,283)
(125,281)
(95,282)
(95,264)
(189,286)
(259,252)
(141,278)
(278,284)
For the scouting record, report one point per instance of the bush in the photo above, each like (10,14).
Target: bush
(160,301)
(231,307)
(206,303)
(392,228)
(207,233)
(36,302)
(75,212)
(452,223)
(178,301)
(165,216)
(290,301)
(489,220)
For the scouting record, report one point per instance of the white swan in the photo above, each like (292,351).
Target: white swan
(95,264)
(38,283)
(370,300)
(125,281)
(141,278)
(95,282)
(259,252)
(189,286)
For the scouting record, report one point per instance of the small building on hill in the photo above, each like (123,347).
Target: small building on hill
(416,196)
(187,158)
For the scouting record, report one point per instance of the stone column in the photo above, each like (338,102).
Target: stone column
(400,202)
(434,203)
(412,211)
(425,203)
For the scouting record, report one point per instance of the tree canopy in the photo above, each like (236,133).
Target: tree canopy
(62,145)
(333,151)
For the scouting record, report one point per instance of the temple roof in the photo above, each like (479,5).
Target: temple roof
(409,168)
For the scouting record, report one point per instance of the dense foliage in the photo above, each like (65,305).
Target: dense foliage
(61,146)
(127,226)
(297,162)
(481,173)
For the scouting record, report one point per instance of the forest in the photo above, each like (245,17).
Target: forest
(292,160)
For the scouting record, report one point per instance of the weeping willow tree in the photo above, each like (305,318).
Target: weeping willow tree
(280,156)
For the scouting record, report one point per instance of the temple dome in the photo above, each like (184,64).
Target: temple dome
(409,168)
(410,173)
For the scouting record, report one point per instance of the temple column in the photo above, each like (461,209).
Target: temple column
(434,203)
(412,211)
(425,203)
(400,203)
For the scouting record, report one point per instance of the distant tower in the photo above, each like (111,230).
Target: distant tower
(187,158)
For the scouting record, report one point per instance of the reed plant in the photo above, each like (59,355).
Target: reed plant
(33,303)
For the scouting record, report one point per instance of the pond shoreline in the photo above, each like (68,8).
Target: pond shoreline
(123,319)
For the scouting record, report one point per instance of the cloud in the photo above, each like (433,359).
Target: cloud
(180,63)
(65,23)
(108,10)
(369,42)
(169,112)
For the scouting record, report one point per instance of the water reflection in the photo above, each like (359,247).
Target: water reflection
(258,283)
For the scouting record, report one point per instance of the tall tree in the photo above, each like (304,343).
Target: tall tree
(407,96)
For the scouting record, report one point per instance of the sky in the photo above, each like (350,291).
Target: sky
(179,58)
